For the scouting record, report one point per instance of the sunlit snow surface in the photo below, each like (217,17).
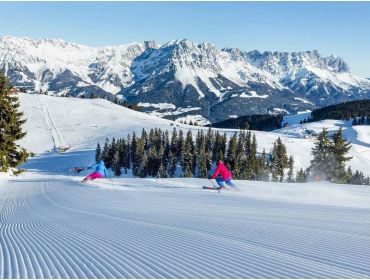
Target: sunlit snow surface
(52,226)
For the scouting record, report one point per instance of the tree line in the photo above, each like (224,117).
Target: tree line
(361,120)
(161,154)
(343,111)
(262,122)
(158,153)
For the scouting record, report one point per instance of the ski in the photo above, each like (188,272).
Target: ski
(212,188)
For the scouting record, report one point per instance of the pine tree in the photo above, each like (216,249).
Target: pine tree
(231,156)
(11,154)
(142,172)
(209,139)
(105,153)
(162,169)
(362,120)
(187,156)
(172,164)
(203,166)
(323,159)
(279,160)
(263,174)
(133,150)
(340,148)
(137,169)
(116,164)
(128,153)
(252,158)
(112,151)
(301,176)
(98,153)
(180,145)
(154,161)
(290,178)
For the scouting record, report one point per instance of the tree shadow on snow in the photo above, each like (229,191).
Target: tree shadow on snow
(54,163)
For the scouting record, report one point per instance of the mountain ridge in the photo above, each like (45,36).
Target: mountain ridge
(191,78)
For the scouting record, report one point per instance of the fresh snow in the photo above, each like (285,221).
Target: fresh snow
(253,94)
(160,106)
(295,119)
(52,226)
(303,100)
(180,111)
(193,118)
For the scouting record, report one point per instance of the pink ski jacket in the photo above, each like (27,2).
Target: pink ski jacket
(222,171)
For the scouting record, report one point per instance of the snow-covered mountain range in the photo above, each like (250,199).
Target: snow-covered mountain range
(182,78)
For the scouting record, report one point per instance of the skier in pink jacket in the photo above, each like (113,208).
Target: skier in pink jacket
(223,176)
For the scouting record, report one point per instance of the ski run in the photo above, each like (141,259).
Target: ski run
(52,226)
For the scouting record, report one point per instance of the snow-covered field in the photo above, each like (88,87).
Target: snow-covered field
(52,226)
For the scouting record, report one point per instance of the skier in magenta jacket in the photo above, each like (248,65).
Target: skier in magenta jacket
(223,176)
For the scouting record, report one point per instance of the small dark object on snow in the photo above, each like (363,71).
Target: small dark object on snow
(213,188)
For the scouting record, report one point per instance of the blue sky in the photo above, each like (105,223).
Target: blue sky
(341,28)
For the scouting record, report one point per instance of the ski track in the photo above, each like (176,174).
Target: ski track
(55,133)
(60,229)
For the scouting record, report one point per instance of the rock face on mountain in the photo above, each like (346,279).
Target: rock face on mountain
(182,78)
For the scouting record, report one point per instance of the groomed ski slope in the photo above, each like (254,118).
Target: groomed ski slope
(52,226)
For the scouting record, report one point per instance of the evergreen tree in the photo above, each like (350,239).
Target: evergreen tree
(105,153)
(116,165)
(203,166)
(98,153)
(139,158)
(290,178)
(112,151)
(222,148)
(231,157)
(340,148)
(142,172)
(128,153)
(248,143)
(301,176)
(180,145)
(263,174)
(187,156)
(361,120)
(152,161)
(133,150)
(209,139)
(279,160)
(252,167)
(162,171)
(357,179)
(11,154)
(172,163)
(349,174)
(323,159)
